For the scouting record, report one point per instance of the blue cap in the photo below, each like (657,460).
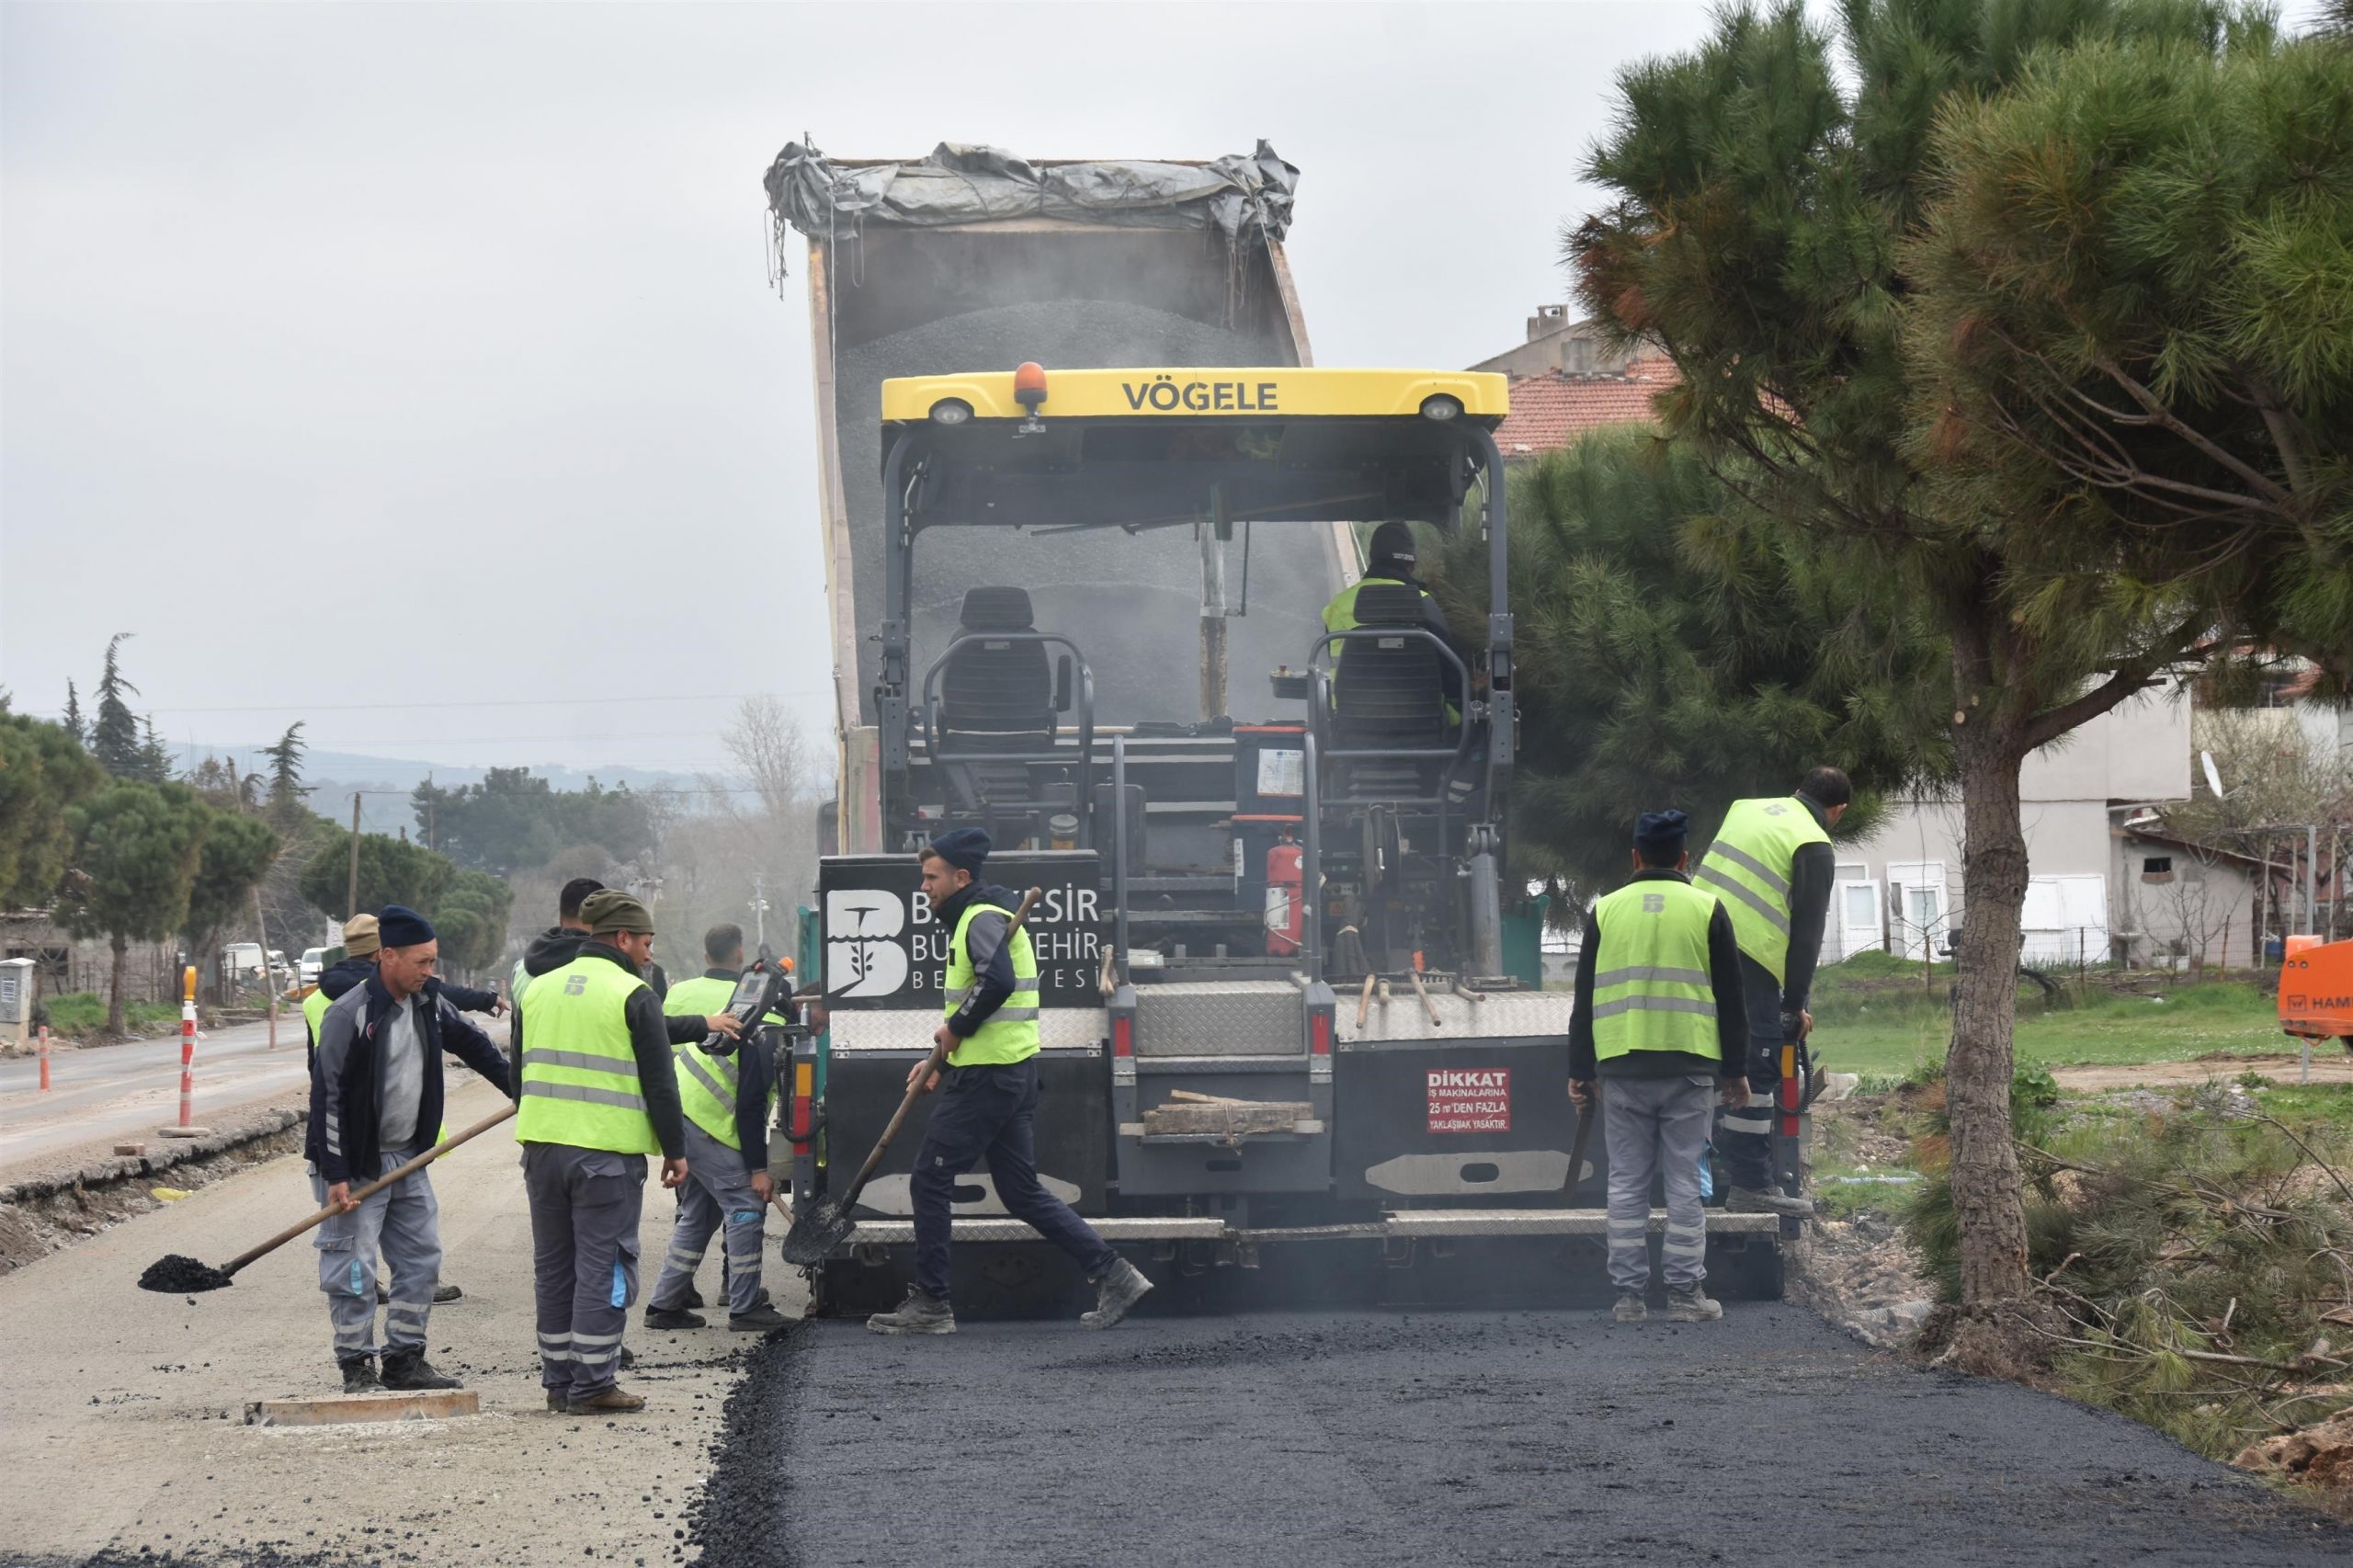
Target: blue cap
(967,847)
(398,925)
(1662,830)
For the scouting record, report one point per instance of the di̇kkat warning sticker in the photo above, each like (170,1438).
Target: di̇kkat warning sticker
(1475,1100)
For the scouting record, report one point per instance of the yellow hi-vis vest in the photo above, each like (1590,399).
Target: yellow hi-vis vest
(1651,990)
(706,1083)
(315,1003)
(1748,866)
(1340,615)
(1011,1032)
(580,1082)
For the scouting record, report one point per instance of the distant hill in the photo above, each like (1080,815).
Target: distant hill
(331,776)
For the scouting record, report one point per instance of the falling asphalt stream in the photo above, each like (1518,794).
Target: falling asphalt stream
(1376,1439)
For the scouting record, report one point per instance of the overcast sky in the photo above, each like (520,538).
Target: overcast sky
(365,356)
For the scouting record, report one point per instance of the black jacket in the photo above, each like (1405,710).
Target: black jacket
(1811,875)
(649,1038)
(1723,977)
(347,972)
(989,954)
(347,1079)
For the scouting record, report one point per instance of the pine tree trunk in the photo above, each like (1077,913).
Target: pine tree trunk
(1985,1182)
(114,995)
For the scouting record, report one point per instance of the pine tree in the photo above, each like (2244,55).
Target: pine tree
(136,849)
(1762,193)
(286,792)
(73,720)
(155,757)
(114,737)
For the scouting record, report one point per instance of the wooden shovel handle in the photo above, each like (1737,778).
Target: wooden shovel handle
(915,1088)
(363,1194)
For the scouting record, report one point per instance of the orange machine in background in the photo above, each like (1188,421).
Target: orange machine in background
(2316,989)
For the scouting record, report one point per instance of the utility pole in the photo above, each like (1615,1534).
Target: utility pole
(351,887)
(759,911)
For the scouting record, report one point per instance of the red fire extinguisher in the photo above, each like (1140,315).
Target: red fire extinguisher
(1286,910)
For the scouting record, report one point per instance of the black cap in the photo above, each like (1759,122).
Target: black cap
(967,847)
(1392,542)
(1661,829)
(397,925)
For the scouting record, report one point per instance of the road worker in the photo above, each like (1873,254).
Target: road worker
(1658,1032)
(728,1098)
(360,947)
(1772,867)
(375,1101)
(990,1101)
(598,1094)
(1391,562)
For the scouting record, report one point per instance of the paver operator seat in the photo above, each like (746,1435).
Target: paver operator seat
(996,695)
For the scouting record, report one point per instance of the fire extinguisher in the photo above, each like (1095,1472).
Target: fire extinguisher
(1286,910)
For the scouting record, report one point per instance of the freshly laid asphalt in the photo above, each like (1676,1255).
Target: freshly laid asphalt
(1392,1438)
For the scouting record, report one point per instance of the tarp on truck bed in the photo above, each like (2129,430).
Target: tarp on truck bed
(1245,198)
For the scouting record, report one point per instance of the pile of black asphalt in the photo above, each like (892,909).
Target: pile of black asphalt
(1373,1439)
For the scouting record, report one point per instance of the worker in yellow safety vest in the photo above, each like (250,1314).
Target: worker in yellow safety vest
(598,1094)
(1390,563)
(729,1096)
(991,1030)
(1773,867)
(1658,1019)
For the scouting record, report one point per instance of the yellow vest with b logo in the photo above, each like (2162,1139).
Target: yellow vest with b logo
(1748,867)
(1011,1032)
(706,1083)
(580,1083)
(1651,990)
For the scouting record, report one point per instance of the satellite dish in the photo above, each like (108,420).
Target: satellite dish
(2213,776)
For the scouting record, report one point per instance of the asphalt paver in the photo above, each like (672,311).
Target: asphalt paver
(1769,1438)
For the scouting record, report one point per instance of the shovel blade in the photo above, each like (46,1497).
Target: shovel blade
(818,1230)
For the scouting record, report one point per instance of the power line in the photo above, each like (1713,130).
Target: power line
(488,702)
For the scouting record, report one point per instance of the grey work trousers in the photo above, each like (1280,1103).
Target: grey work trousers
(404,1224)
(1656,1128)
(584,1209)
(718,1194)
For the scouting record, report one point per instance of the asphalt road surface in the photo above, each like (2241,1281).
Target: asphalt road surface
(129,1090)
(1384,1438)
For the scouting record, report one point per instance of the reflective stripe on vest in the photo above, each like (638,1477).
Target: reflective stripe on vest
(1651,990)
(1011,1032)
(1748,868)
(580,1085)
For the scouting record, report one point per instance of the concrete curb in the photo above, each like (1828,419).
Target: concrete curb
(106,1173)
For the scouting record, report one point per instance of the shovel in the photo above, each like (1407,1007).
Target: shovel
(174,1275)
(825,1224)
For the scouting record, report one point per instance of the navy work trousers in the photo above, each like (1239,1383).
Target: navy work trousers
(1746,1139)
(984,1113)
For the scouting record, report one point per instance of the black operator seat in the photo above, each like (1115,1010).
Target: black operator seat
(997,694)
(1390,691)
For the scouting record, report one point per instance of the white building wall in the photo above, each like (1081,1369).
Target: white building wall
(2138,751)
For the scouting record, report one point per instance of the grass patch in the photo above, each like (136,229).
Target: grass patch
(1871,1023)
(75,1014)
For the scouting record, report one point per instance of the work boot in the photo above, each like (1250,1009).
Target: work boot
(628,1358)
(360,1375)
(1689,1304)
(672,1317)
(1630,1307)
(409,1371)
(614,1401)
(556,1400)
(1120,1287)
(921,1313)
(1764,1201)
(759,1320)
(694,1296)
(446,1293)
